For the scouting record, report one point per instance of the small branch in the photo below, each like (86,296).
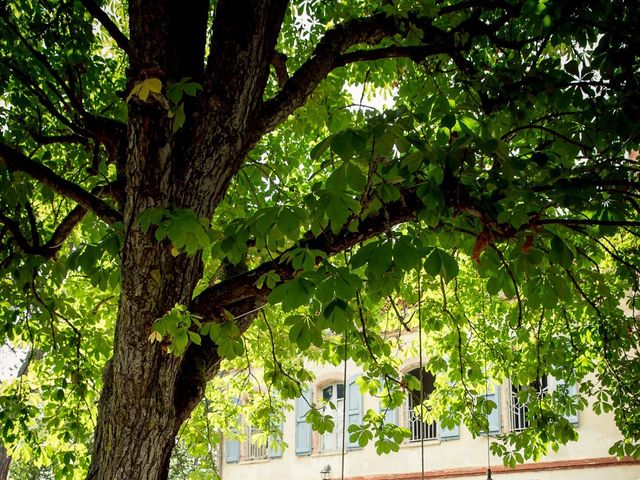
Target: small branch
(365,336)
(279,62)
(60,234)
(50,139)
(17,161)
(550,132)
(399,315)
(513,280)
(101,16)
(588,222)
(417,53)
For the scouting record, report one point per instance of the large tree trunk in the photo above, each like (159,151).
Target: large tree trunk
(5,462)
(148,393)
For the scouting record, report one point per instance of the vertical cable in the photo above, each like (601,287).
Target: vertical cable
(344,407)
(422,424)
(486,386)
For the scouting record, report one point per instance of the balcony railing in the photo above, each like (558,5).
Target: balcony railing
(253,451)
(419,429)
(518,409)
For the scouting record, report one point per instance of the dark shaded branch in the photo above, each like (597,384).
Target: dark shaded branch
(60,234)
(550,132)
(101,16)
(417,53)
(35,237)
(588,222)
(50,139)
(332,51)
(296,90)
(16,161)
(14,228)
(279,62)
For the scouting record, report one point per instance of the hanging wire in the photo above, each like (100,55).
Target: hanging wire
(344,407)
(421,373)
(486,386)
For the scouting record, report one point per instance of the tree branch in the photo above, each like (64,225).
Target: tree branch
(59,235)
(302,83)
(331,51)
(16,161)
(101,16)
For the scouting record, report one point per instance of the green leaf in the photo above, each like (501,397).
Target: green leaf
(178,118)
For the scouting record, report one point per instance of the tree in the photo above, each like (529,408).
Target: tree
(210,162)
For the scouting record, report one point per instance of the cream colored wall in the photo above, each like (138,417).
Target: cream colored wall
(597,434)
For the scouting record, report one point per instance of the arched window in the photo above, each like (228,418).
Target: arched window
(519,406)
(419,429)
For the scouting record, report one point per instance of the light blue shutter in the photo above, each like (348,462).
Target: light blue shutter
(494,415)
(572,391)
(275,452)
(232,447)
(354,408)
(390,415)
(303,429)
(449,433)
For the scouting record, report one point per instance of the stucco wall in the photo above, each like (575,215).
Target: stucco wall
(585,459)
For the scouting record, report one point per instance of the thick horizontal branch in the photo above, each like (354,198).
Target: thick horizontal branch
(16,161)
(101,16)
(240,295)
(242,287)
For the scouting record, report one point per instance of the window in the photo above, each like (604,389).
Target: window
(333,396)
(519,406)
(420,430)
(250,449)
(332,399)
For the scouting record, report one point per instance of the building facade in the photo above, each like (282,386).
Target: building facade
(448,453)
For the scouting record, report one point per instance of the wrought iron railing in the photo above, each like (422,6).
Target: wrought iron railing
(519,409)
(419,429)
(251,450)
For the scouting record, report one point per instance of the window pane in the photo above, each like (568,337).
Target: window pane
(327,393)
(340,387)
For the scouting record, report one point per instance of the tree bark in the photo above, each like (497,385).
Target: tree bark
(148,393)
(5,462)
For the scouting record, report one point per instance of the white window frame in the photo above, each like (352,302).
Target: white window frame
(332,441)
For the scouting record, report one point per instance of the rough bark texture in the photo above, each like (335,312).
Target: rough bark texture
(144,403)
(148,394)
(5,462)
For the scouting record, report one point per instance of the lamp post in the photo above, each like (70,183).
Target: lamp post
(325,473)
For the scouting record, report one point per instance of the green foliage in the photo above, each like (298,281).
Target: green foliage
(500,180)
(181,227)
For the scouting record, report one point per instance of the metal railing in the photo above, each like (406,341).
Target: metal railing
(419,429)
(518,409)
(518,413)
(253,451)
